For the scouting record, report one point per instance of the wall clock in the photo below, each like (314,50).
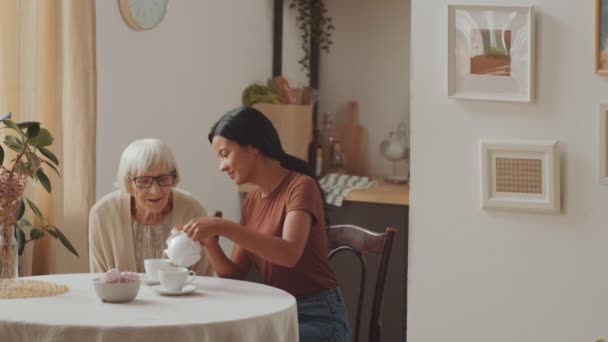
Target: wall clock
(143,14)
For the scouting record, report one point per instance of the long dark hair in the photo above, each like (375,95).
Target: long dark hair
(249,127)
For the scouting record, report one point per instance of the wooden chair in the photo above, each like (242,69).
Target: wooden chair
(360,241)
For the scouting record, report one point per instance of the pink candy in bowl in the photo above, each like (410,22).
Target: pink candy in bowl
(117,287)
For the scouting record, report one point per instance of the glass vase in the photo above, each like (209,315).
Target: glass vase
(9,258)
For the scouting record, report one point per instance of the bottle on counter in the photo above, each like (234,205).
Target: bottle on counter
(336,164)
(326,139)
(315,154)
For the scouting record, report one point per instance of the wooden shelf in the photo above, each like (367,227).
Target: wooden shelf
(381,193)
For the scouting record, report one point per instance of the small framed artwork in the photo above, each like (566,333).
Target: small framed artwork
(601,37)
(603,160)
(491,52)
(520,175)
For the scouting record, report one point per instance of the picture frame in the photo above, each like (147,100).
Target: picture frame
(603,144)
(601,37)
(520,175)
(491,52)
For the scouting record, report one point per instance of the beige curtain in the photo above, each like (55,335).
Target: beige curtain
(47,74)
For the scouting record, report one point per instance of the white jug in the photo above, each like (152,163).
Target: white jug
(182,250)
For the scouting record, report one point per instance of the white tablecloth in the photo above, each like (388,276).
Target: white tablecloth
(220,310)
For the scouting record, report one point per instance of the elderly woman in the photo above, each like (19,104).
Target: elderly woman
(132,224)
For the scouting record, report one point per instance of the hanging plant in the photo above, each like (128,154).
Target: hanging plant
(314,24)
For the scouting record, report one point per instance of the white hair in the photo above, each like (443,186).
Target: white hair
(141,156)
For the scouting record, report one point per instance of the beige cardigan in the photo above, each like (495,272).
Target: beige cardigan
(111,237)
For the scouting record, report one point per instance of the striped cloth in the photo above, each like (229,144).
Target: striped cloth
(337,186)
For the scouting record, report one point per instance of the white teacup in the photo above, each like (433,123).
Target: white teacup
(182,250)
(153,265)
(175,278)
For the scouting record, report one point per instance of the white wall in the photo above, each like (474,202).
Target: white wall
(478,275)
(292,50)
(174,81)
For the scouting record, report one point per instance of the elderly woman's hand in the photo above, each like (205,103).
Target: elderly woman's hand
(202,228)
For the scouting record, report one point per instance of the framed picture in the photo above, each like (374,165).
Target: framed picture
(603,160)
(491,52)
(601,37)
(521,175)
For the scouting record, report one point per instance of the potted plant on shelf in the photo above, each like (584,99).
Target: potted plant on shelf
(28,142)
(315,26)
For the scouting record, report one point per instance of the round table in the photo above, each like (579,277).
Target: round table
(219,310)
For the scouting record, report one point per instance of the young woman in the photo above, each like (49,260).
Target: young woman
(282,229)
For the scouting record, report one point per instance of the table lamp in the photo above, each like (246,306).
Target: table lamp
(394,148)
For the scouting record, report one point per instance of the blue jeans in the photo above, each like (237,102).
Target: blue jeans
(323,318)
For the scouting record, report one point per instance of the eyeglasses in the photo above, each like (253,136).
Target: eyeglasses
(146,181)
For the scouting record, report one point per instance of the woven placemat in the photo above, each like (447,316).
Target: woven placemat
(32,288)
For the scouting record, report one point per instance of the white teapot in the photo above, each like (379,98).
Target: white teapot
(182,250)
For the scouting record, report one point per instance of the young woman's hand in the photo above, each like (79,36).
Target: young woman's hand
(202,228)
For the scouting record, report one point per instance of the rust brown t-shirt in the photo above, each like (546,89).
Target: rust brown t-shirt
(266,215)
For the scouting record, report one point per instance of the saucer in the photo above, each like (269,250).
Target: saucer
(144,279)
(186,290)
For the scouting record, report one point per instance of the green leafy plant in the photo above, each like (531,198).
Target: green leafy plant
(315,26)
(29,142)
(259,93)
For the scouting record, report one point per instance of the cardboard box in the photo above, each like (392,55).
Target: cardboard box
(294,125)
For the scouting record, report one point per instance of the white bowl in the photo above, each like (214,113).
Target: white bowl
(116,292)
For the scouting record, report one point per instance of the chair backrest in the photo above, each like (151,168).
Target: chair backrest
(360,241)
